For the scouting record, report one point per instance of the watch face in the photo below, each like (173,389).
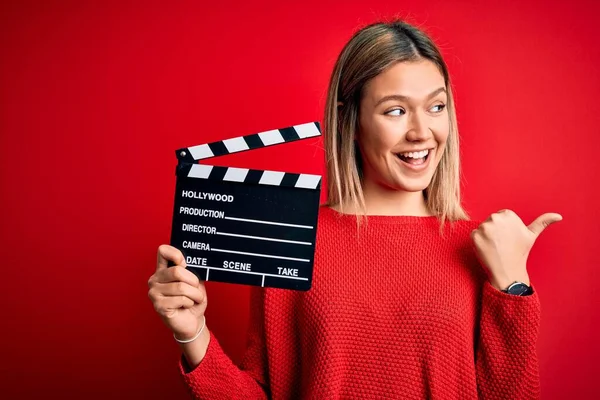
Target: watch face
(518,288)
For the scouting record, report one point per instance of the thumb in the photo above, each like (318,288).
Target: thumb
(542,222)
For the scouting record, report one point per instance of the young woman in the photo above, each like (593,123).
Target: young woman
(413,301)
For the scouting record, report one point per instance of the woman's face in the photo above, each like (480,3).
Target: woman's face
(403,125)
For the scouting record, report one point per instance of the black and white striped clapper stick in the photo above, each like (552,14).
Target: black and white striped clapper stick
(247,226)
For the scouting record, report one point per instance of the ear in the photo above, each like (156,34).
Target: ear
(340,104)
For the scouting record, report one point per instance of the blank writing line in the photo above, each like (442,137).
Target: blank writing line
(246,272)
(260,255)
(258,221)
(263,238)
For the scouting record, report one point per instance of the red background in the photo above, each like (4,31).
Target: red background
(96,98)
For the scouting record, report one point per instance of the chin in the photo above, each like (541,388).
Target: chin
(412,186)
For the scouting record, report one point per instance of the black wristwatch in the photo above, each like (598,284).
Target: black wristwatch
(518,289)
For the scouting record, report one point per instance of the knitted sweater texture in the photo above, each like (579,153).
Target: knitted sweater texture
(396,311)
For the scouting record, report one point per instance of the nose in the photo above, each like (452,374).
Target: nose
(418,128)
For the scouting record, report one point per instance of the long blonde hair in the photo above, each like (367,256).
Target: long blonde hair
(369,52)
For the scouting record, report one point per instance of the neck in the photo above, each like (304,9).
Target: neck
(381,200)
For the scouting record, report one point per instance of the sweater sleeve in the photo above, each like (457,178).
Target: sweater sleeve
(217,377)
(506,356)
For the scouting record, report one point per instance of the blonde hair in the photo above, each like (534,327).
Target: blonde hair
(368,53)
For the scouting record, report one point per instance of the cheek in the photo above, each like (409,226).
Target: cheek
(377,140)
(385,134)
(370,147)
(441,133)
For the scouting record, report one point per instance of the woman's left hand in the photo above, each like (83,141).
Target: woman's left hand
(502,243)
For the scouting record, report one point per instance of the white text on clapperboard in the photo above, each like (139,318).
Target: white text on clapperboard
(201,261)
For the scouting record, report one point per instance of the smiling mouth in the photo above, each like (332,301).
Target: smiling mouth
(414,158)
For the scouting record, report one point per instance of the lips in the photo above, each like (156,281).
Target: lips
(415,154)
(415,158)
(415,161)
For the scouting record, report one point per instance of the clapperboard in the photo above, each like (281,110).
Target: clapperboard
(247,226)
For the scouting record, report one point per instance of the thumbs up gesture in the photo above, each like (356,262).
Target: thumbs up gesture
(503,242)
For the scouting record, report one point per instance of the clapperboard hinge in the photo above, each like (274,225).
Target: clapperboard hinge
(188,158)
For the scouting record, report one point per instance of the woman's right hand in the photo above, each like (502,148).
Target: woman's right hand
(178,296)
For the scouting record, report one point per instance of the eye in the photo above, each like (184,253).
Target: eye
(397,111)
(442,106)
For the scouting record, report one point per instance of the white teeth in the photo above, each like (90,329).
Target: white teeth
(415,154)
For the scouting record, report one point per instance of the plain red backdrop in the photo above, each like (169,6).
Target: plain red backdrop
(96,96)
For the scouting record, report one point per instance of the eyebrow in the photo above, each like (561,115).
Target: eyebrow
(406,98)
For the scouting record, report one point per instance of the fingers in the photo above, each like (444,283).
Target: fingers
(168,297)
(499,214)
(543,221)
(505,210)
(194,293)
(165,305)
(168,253)
(176,274)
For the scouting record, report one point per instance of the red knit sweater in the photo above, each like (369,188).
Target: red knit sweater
(396,311)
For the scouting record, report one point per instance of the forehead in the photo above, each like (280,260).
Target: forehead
(412,79)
